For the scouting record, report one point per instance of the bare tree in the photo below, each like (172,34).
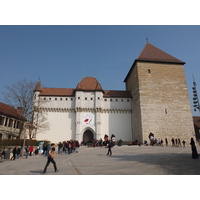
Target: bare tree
(20,94)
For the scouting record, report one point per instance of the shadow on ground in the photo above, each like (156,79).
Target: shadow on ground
(173,164)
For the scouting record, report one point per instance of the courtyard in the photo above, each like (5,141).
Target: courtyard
(125,160)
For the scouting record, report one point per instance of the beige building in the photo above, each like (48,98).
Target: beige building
(160,98)
(155,100)
(10,121)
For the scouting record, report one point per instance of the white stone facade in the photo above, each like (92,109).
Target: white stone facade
(69,117)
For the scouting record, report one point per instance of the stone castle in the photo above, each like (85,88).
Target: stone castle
(155,100)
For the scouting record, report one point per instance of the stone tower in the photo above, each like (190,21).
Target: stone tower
(160,98)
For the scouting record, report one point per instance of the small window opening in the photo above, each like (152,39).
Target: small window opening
(149,71)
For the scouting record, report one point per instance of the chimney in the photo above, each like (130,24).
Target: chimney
(20,110)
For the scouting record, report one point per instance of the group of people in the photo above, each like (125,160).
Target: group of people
(69,146)
(159,142)
(16,153)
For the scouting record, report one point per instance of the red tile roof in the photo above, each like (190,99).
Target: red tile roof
(37,87)
(57,92)
(117,94)
(152,53)
(9,111)
(89,83)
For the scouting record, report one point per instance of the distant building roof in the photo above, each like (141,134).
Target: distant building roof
(9,111)
(151,53)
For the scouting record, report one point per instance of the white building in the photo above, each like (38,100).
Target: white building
(86,112)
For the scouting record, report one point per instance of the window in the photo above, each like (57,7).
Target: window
(105,99)
(61,99)
(149,71)
(98,98)
(1,120)
(56,99)
(44,98)
(122,100)
(79,98)
(6,123)
(116,99)
(10,123)
(85,98)
(127,100)
(110,99)
(91,98)
(50,99)
(66,99)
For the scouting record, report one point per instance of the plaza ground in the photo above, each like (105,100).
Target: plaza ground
(126,160)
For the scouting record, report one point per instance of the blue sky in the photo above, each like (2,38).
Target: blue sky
(62,55)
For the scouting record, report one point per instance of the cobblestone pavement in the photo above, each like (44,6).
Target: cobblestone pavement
(126,160)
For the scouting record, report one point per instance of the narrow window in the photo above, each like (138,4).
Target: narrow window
(61,99)
(66,99)
(56,99)
(149,71)
(79,98)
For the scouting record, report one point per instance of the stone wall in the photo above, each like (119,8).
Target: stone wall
(161,93)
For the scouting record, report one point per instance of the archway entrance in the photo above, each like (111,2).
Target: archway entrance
(88,135)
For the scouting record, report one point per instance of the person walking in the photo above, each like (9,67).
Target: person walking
(50,158)
(183,143)
(27,151)
(18,152)
(166,141)
(194,150)
(31,150)
(14,153)
(173,143)
(110,145)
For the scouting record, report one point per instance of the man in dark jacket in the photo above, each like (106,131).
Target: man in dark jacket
(110,145)
(14,153)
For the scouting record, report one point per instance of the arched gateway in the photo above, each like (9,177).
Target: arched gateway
(88,135)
